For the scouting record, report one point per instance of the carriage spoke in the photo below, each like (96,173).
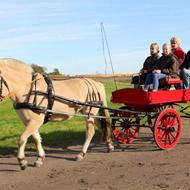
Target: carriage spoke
(166,119)
(163,134)
(169,139)
(173,120)
(127,135)
(123,134)
(172,135)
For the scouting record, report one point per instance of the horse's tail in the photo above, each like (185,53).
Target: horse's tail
(105,123)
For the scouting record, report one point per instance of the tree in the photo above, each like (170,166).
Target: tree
(56,71)
(38,69)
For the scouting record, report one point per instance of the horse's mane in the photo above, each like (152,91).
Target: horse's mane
(16,64)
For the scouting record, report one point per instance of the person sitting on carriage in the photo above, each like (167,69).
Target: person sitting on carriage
(185,71)
(167,65)
(179,54)
(177,51)
(148,66)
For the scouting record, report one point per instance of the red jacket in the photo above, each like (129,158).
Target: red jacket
(179,55)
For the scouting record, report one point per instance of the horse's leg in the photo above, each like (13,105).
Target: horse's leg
(105,125)
(89,134)
(41,154)
(110,144)
(108,138)
(31,127)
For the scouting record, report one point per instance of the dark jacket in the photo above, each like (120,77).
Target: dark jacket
(149,63)
(148,67)
(167,64)
(186,63)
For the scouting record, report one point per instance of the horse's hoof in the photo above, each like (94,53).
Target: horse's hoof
(110,149)
(80,156)
(39,162)
(23,167)
(23,164)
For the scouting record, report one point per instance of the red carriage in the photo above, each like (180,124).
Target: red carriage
(156,110)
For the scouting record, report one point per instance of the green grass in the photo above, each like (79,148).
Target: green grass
(54,134)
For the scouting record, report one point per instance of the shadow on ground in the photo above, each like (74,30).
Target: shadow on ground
(59,142)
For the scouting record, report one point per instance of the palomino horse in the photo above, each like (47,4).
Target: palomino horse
(16,83)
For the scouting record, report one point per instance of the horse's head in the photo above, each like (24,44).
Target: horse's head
(4,89)
(15,78)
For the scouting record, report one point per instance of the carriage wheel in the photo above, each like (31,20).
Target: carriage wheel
(167,129)
(125,130)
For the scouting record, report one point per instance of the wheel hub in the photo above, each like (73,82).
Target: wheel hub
(171,129)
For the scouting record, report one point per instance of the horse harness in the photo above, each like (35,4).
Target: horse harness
(51,97)
(33,106)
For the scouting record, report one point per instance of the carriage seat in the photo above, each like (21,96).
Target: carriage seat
(169,80)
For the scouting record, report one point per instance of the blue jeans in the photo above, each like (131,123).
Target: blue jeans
(153,78)
(185,75)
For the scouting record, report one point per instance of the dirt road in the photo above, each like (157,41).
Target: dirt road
(140,166)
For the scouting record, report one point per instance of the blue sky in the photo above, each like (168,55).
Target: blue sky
(65,34)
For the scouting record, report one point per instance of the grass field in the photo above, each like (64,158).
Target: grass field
(54,134)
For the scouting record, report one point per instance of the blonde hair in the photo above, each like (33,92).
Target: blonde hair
(175,39)
(165,44)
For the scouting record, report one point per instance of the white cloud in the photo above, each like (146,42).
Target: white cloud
(17,37)
(25,23)
(25,9)
(12,38)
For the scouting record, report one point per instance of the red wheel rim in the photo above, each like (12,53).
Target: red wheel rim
(122,131)
(167,129)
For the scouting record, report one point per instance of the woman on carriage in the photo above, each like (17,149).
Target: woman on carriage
(177,51)
(167,65)
(180,55)
(148,66)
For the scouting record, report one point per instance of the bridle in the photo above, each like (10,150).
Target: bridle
(3,83)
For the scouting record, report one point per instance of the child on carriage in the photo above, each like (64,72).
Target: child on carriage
(167,65)
(148,66)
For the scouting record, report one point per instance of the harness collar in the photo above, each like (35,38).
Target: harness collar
(34,106)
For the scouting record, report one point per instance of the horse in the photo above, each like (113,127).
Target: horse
(17,84)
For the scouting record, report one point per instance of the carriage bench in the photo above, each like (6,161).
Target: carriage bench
(165,83)
(169,80)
